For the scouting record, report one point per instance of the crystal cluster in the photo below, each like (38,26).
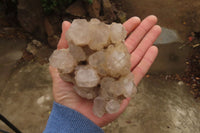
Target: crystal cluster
(97,62)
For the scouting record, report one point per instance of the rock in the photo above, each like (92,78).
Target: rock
(99,106)
(100,37)
(37,43)
(52,38)
(88,93)
(86,76)
(108,11)
(117,60)
(127,85)
(97,62)
(112,106)
(121,16)
(48,27)
(53,41)
(58,60)
(75,36)
(76,9)
(31,49)
(77,52)
(30,16)
(67,77)
(115,29)
(94,8)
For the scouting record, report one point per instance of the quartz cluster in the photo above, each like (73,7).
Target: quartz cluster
(97,62)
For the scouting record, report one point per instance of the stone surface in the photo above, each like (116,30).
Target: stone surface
(48,27)
(160,106)
(58,60)
(86,76)
(100,37)
(75,36)
(77,52)
(53,41)
(117,60)
(97,62)
(112,106)
(94,8)
(108,10)
(88,93)
(76,9)
(26,99)
(118,32)
(30,19)
(99,106)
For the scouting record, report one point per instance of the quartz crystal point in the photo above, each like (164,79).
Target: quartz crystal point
(127,85)
(88,93)
(99,38)
(67,77)
(97,63)
(99,106)
(97,60)
(112,106)
(78,32)
(77,52)
(86,76)
(63,60)
(117,60)
(117,33)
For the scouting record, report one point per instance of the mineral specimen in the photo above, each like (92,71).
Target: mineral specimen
(97,62)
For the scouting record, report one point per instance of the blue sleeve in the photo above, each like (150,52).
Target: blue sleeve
(65,120)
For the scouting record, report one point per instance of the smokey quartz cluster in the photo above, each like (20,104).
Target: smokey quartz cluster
(97,62)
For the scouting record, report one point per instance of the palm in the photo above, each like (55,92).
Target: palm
(139,43)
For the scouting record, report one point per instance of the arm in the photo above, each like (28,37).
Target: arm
(65,120)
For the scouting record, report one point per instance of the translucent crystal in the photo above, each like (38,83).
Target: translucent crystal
(105,84)
(112,106)
(127,85)
(116,89)
(100,37)
(78,32)
(77,52)
(67,77)
(97,62)
(88,93)
(63,60)
(117,33)
(99,106)
(117,60)
(86,76)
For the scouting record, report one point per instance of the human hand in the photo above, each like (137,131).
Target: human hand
(139,43)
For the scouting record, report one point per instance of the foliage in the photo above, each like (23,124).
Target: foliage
(51,6)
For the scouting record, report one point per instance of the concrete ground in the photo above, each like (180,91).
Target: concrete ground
(161,106)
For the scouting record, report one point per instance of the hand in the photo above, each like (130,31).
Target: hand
(139,43)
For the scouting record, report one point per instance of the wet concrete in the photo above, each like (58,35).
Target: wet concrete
(182,16)
(25,90)
(10,52)
(159,107)
(177,19)
(26,99)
